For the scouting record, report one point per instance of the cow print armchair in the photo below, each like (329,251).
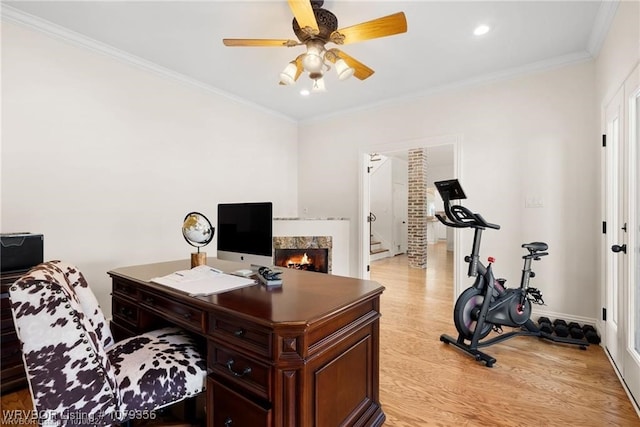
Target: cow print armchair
(77,374)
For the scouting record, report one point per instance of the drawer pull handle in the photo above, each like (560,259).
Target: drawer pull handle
(148,300)
(239,333)
(245,371)
(126,312)
(228,422)
(187,316)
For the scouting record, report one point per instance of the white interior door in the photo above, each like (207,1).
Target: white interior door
(622,259)
(631,354)
(615,235)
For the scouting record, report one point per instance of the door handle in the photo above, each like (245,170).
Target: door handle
(619,248)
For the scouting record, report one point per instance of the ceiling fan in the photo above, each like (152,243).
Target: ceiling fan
(315,27)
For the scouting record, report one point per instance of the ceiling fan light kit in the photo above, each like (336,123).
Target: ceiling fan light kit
(288,75)
(315,27)
(313,61)
(318,85)
(343,70)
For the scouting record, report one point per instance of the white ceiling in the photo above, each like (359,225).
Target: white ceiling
(184,38)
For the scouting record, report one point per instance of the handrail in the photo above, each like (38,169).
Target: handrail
(370,219)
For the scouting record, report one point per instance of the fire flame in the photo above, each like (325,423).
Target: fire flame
(298,261)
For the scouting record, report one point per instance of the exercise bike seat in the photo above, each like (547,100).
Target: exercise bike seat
(535,246)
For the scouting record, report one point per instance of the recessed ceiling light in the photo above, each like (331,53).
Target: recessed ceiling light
(305,92)
(481,30)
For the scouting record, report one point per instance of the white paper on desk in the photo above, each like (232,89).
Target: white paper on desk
(202,280)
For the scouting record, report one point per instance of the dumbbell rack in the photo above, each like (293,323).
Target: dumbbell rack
(563,329)
(528,329)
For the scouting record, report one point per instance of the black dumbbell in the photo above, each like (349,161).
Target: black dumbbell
(559,322)
(576,333)
(572,325)
(575,330)
(561,329)
(546,327)
(591,334)
(543,319)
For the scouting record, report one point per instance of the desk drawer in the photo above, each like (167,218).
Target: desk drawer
(231,409)
(11,354)
(6,320)
(247,373)
(124,289)
(13,378)
(125,311)
(240,333)
(191,317)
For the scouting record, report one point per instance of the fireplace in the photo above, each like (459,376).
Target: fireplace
(311,253)
(303,259)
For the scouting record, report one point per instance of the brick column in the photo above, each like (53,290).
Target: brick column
(417,203)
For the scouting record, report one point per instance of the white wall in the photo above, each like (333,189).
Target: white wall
(620,51)
(535,135)
(106,159)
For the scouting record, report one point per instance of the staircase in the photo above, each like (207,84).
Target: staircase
(375,248)
(376,251)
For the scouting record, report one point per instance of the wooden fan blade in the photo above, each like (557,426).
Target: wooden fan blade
(361,71)
(300,67)
(303,12)
(259,42)
(381,27)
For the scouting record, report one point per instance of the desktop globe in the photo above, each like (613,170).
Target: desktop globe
(198,232)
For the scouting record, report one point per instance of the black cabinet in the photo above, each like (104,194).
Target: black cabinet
(18,253)
(11,366)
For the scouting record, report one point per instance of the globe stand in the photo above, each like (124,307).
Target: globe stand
(198,258)
(198,232)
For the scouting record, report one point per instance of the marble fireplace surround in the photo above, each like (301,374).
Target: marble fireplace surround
(306,242)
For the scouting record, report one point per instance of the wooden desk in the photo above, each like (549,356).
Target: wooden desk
(303,355)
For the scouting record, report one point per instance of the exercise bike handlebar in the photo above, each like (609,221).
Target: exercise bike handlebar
(462,217)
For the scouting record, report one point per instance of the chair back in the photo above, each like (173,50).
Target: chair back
(87,300)
(70,377)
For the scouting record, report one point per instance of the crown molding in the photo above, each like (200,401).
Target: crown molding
(601,27)
(13,15)
(604,18)
(536,67)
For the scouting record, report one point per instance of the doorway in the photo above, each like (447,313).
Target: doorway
(442,163)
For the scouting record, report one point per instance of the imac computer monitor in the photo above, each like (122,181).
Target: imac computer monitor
(245,232)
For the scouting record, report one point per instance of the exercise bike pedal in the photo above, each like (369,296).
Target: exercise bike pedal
(498,329)
(535,296)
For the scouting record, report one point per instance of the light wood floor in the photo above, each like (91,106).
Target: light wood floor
(424,382)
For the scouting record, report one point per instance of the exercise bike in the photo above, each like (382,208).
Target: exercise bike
(488,305)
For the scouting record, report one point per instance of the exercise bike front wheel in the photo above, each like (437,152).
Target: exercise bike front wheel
(467,306)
